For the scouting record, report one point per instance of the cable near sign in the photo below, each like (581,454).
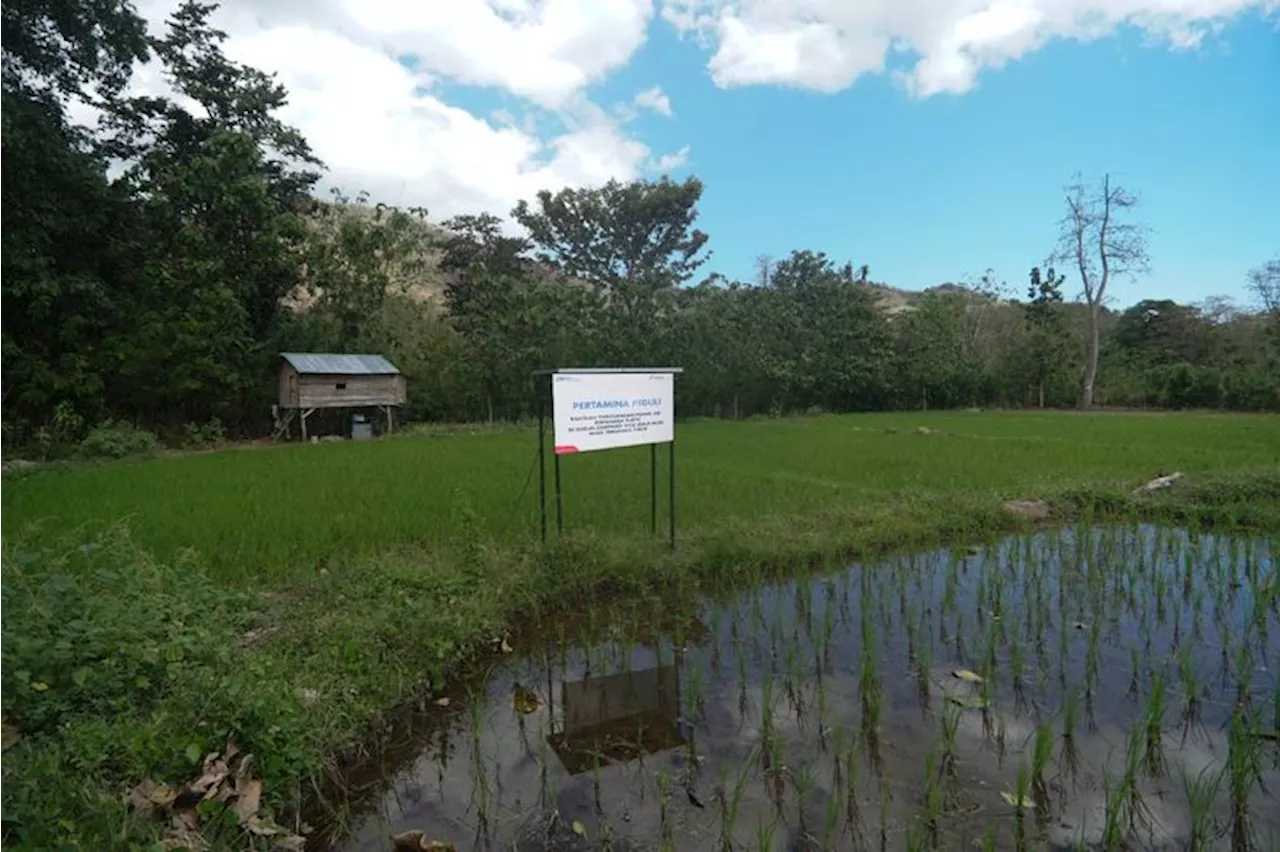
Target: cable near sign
(601,411)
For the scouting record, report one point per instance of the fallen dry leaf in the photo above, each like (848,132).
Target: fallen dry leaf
(215,772)
(150,794)
(1014,801)
(262,827)
(409,841)
(8,734)
(415,840)
(250,798)
(442,702)
(966,675)
(524,701)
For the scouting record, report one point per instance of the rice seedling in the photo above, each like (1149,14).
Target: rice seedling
(1244,770)
(831,820)
(850,787)
(802,776)
(1153,721)
(933,795)
(764,833)
(1041,755)
(886,806)
(1019,801)
(1201,791)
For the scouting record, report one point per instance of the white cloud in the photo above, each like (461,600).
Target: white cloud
(671,162)
(653,98)
(364,78)
(827,44)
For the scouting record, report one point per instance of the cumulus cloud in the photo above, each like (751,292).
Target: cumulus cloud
(825,45)
(671,162)
(656,100)
(364,80)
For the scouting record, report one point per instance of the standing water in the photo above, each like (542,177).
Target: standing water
(1112,688)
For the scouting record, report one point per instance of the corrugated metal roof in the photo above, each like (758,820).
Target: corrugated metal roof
(329,363)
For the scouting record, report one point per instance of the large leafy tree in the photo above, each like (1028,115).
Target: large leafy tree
(218,190)
(638,234)
(64,224)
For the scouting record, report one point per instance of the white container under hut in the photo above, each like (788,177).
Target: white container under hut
(314,381)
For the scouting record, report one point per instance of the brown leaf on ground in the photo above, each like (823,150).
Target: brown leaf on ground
(263,827)
(215,772)
(409,841)
(8,734)
(250,798)
(415,840)
(149,794)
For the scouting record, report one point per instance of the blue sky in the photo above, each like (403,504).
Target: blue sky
(929,139)
(939,189)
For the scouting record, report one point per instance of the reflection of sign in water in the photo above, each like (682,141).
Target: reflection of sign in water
(616,718)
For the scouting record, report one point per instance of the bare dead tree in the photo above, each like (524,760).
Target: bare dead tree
(1099,238)
(1264,283)
(764,270)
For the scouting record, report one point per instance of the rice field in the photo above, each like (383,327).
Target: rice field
(263,515)
(1087,688)
(1089,682)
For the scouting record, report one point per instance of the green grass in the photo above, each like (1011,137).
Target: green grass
(265,514)
(292,597)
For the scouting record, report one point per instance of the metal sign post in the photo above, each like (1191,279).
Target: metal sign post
(618,407)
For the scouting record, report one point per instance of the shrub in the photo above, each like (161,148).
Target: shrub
(205,433)
(102,629)
(116,440)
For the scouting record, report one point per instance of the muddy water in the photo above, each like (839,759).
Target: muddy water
(845,712)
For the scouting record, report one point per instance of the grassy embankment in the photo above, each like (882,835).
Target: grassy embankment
(291,597)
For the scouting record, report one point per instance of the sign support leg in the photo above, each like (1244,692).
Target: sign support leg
(542,455)
(653,489)
(559,505)
(671,486)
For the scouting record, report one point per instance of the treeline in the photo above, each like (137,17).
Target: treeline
(154,265)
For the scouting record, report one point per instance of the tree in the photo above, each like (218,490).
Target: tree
(70,48)
(1048,333)
(638,234)
(475,251)
(1264,283)
(1097,236)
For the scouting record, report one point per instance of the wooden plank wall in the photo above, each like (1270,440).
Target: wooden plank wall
(323,391)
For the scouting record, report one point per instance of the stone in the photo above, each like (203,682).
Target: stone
(1031,510)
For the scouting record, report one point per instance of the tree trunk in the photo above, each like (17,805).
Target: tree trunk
(1042,393)
(1091,363)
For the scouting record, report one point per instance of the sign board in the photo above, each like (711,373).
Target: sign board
(604,410)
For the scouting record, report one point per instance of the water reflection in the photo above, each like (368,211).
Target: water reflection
(617,718)
(1120,692)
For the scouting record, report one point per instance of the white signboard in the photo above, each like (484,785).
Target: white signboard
(600,411)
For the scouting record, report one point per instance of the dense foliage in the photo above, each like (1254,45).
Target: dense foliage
(155,263)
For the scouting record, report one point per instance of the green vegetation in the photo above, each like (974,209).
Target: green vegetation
(158,294)
(291,597)
(268,514)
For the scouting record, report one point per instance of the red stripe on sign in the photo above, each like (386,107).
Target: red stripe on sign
(561,449)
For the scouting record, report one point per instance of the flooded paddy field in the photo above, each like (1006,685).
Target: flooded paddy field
(1097,688)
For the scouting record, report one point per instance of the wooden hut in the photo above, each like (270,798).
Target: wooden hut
(309,381)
